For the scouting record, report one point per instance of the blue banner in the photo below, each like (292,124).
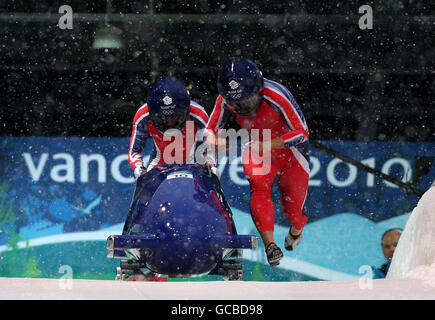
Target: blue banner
(82,187)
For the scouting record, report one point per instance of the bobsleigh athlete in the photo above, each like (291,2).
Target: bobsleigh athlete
(255,102)
(172,120)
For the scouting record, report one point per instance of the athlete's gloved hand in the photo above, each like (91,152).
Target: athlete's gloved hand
(258,147)
(210,162)
(212,168)
(215,171)
(139,171)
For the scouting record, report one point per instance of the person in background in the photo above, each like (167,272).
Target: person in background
(389,241)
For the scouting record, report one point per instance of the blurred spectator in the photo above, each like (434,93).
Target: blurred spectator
(389,241)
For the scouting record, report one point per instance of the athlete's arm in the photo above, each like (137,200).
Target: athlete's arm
(138,138)
(287,106)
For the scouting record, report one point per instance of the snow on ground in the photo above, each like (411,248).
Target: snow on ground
(62,289)
(425,273)
(416,248)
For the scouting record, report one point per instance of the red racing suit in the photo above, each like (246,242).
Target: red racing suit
(166,149)
(279,113)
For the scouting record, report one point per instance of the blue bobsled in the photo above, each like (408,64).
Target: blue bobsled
(179,223)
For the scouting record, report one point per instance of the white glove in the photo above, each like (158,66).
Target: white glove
(211,164)
(215,171)
(258,147)
(139,171)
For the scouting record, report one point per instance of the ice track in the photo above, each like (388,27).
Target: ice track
(61,289)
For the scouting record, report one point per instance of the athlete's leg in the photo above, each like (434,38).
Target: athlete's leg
(293,184)
(262,208)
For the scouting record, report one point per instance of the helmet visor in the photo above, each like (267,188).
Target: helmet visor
(246,106)
(165,123)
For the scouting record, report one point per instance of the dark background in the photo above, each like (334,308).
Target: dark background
(352,84)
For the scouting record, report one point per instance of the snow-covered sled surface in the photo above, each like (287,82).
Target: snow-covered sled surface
(60,289)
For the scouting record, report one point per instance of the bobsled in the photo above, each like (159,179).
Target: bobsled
(179,224)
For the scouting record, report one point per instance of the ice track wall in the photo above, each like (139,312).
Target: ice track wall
(416,248)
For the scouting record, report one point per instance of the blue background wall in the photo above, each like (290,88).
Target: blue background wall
(64,195)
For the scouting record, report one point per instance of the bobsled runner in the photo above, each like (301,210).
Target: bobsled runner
(179,223)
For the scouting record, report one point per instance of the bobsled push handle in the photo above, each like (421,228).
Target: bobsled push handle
(235,241)
(132,242)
